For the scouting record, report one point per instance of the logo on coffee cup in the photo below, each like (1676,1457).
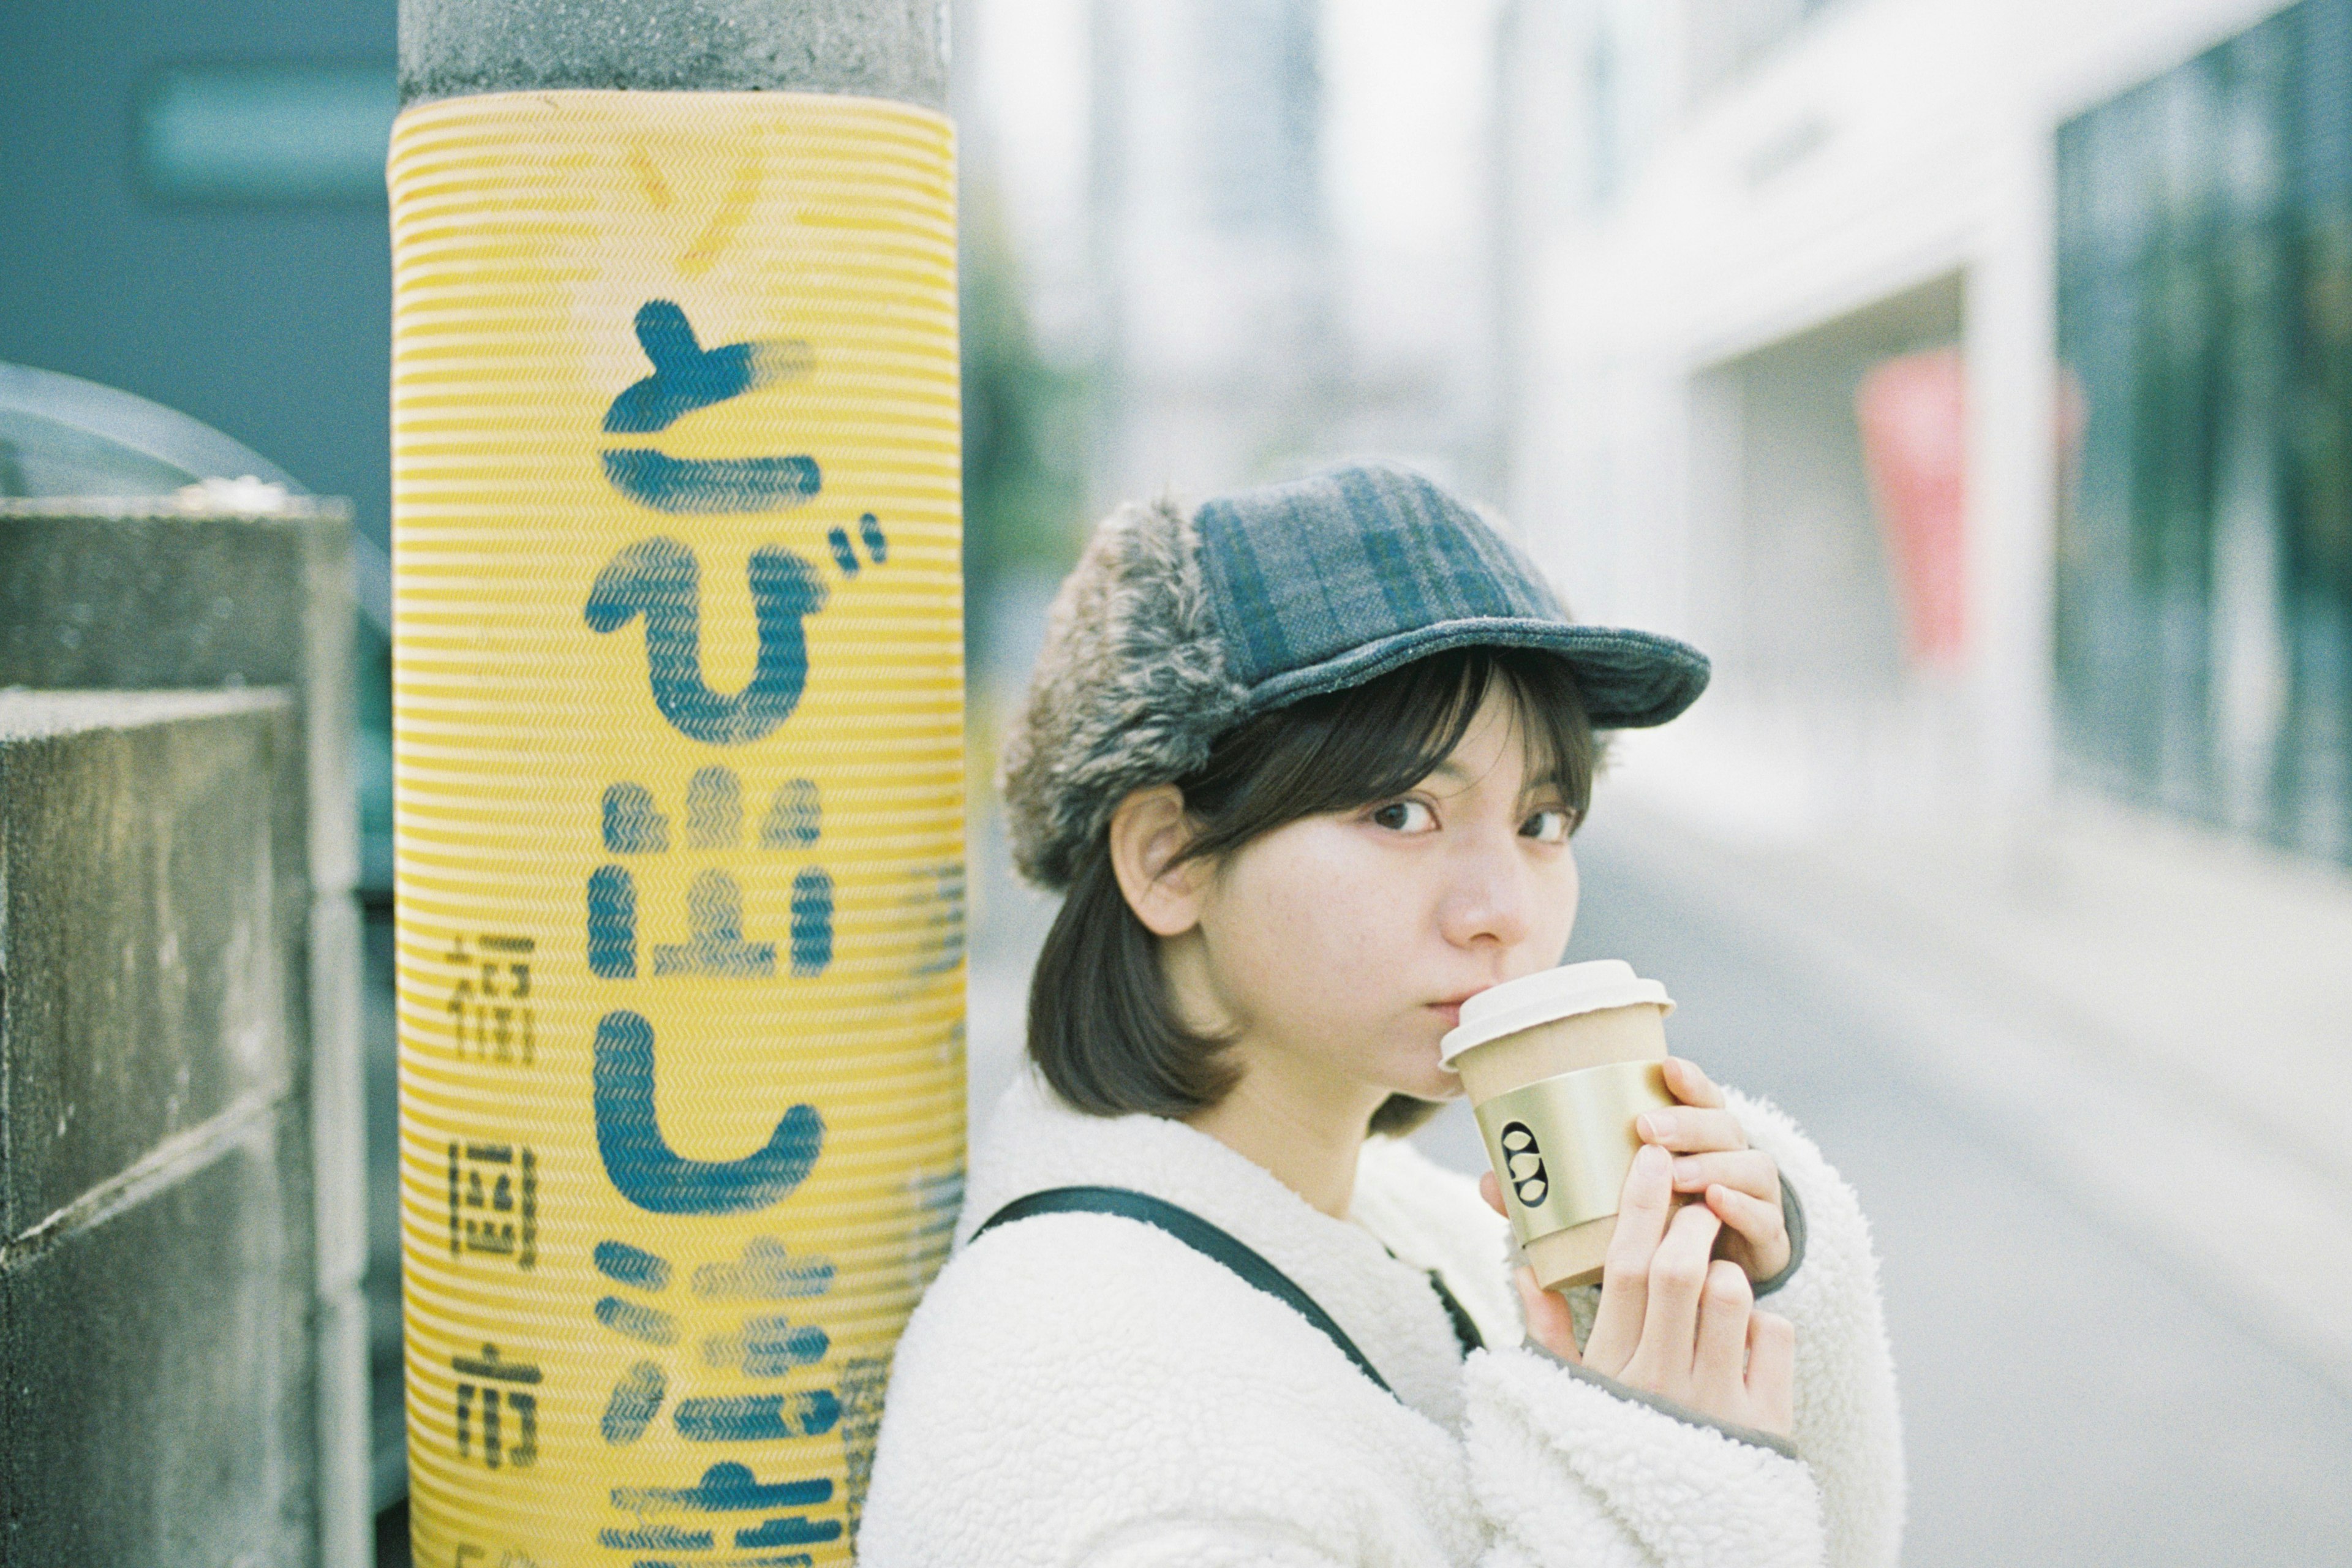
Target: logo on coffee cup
(1529,1182)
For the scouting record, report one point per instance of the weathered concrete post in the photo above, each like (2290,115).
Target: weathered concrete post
(678,762)
(875,49)
(183,1225)
(153,1277)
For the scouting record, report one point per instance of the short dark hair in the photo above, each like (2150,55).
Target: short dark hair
(1102,1028)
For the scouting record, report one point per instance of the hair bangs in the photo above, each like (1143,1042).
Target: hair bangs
(1346,749)
(1557,746)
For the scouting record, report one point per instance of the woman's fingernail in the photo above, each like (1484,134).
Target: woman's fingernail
(1685,1170)
(1649,1156)
(1657,1126)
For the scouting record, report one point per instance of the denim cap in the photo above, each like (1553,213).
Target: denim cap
(1172,629)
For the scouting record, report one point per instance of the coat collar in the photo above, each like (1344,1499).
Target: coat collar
(1035,1141)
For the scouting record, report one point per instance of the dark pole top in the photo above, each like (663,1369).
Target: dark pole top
(877,48)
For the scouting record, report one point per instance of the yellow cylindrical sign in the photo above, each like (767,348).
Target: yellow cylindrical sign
(678,741)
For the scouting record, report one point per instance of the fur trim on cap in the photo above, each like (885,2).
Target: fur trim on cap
(1128,691)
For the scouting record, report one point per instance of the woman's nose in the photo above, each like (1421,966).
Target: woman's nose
(1490,897)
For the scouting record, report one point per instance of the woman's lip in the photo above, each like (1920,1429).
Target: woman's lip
(1449,1011)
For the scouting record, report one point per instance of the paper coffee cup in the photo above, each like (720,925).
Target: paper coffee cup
(1557,1064)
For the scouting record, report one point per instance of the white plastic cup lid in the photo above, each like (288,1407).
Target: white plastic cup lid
(1547,996)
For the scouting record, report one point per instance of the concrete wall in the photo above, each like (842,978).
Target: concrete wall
(130,1029)
(155,1279)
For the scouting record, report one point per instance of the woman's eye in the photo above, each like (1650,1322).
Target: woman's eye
(1406,816)
(1550,826)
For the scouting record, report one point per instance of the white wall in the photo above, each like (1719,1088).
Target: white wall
(1886,145)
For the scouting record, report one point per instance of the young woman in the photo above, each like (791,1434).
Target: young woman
(1305,765)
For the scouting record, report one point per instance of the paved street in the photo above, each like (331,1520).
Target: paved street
(2067,1398)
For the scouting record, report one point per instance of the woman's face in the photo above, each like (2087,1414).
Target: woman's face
(1340,947)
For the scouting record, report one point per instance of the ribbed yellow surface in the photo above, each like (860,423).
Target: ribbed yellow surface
(677,752)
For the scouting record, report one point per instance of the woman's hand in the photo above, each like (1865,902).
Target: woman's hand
(1671,1323)
(1741,1186)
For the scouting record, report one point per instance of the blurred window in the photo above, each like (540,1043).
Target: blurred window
(1261,105)
(1622,74)
(293,134)
(2204,631)
(1604,129)
(1728,37)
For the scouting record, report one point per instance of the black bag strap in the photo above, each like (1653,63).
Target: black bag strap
(1465,1330)
(1195,1233)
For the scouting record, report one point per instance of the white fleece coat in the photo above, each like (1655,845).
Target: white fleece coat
(1085,1389)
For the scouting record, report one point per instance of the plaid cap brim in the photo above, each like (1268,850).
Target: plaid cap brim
(1629,680)
(1326,582)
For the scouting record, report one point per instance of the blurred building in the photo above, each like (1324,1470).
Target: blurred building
(1273,247)
(1972,379)
(1209,237)
(1967,377)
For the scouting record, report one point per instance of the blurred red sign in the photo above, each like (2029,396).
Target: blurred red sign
(1913,416)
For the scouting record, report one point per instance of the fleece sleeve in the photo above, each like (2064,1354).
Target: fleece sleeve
(1568,1472)
(1562,1472)
(1847,1424)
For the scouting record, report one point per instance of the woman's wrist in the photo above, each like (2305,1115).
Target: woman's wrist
(1756,1436)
